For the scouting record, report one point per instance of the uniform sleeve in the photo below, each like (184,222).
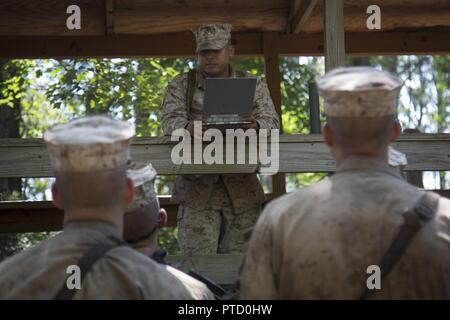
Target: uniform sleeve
(174,113)
(264,109)
(257,279)
(197,290)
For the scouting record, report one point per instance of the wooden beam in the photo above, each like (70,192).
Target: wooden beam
(293,4)
(40,216)
(369,43)
(48,17)
(273,78)
(298,153)
(145,17)
(109,7)
(302,14)
(334,34)
(247,44)
(29,216)
(221,268)
(394,17)
(170,45)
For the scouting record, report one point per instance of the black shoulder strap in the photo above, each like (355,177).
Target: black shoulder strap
(190,90)
(159,255)
(85,263)
(424,210)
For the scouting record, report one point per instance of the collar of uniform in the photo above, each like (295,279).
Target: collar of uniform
(367,164)
(200,77)
(103,227)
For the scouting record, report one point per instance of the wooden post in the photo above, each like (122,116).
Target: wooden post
(414,177)
(334,34)
(109,6)
(273,78)
(314,112)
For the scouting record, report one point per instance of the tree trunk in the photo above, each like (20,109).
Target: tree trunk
(9,128)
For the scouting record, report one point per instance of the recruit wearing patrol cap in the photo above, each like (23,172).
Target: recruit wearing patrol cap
(143,177)
(212,36)
(359,92)
(139,224)
(89,144)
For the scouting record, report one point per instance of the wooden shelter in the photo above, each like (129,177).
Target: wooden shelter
(266,28)
(143,28)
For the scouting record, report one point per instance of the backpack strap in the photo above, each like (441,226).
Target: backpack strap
(423,211)
(192,74)
(86,263)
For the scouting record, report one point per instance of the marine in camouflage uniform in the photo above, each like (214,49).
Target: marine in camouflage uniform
(215,211)
(88,157)
(142,220)
(318,242)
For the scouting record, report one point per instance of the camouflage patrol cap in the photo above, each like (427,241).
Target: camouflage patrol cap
(142,215)
(88,144)
(212,36)
(143,177)
(359,92)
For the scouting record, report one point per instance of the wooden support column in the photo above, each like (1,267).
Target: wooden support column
(273,78)
(314,111)
(334,34)
(109,6)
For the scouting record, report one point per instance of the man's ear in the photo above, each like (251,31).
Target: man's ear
(129,192)
(162,218)
(396,130)
(57,200)
(327,135)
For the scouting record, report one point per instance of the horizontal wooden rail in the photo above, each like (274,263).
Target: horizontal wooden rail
(37,216)
(247,44)
(221,268)
(298,153)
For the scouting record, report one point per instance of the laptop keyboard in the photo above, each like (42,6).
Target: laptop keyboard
(224,119)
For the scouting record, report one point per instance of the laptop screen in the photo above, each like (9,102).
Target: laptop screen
(229,96)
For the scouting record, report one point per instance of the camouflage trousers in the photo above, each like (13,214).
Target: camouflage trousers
(219,228)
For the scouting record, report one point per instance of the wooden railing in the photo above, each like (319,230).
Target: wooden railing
(298,153)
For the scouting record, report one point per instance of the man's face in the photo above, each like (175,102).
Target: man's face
(215,62)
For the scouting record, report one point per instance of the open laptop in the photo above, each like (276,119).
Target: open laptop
(228,100)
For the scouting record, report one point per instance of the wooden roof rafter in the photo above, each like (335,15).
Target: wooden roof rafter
(108,26)
(302,12)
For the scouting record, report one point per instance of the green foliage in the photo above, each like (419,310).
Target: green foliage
(12,243)
(14,80)
(54,91)
(167,239)
(127,89)
(425,97)
(296,74)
